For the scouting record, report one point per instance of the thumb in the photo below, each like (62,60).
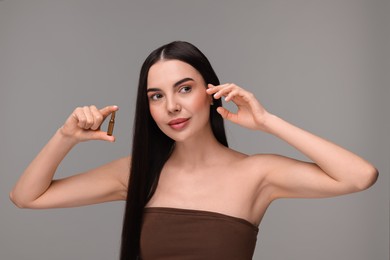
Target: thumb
(226,114)
(101,135)
(108,110)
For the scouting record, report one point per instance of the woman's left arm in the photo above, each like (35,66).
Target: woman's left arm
(335,170)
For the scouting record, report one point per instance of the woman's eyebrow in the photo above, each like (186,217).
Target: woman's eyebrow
(174,85)
(182,81)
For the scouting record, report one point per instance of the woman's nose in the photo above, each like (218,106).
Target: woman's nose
(173,106)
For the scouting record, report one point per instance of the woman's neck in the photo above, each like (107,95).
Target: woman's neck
(198,151)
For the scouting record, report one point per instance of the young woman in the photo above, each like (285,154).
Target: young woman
(189,196)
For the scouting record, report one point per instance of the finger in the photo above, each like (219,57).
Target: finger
(108,110)
(89,117)
(213,89)
(220,85)
(231,95)
(98,118)
(224,91)
(100,135)
(79,115)
(226,114)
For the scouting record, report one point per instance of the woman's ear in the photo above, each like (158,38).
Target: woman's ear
(211,97)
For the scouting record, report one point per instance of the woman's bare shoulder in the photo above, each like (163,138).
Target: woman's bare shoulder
(266,158)
(258,165)
(255,160)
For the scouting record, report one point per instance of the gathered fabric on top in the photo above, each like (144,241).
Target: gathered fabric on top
(186,234)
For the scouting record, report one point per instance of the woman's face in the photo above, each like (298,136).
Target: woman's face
(178,100)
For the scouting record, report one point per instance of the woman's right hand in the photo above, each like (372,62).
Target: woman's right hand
(36,187)
(84,124)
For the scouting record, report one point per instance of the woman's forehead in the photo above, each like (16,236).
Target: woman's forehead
(167,72)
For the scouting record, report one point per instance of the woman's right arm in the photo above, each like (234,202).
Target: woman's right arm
(36,187)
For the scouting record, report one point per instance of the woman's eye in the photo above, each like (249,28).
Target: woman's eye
(185,89)
(155,96)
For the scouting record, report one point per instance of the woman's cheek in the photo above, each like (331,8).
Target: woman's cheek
(154,113)
(200,102)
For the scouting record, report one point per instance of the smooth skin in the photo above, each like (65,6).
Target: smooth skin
(201,173)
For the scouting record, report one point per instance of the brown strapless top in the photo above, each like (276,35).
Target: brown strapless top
(185,234)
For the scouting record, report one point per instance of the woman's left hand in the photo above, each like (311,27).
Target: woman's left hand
(250,114)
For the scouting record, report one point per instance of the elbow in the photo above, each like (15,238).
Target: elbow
(367,179)
(17,202)
(14,201)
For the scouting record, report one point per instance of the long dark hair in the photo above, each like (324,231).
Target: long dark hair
(151,147)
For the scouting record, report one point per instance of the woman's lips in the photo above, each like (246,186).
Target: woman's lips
(178,123)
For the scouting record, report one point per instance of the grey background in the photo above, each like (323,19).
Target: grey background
(322,65)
